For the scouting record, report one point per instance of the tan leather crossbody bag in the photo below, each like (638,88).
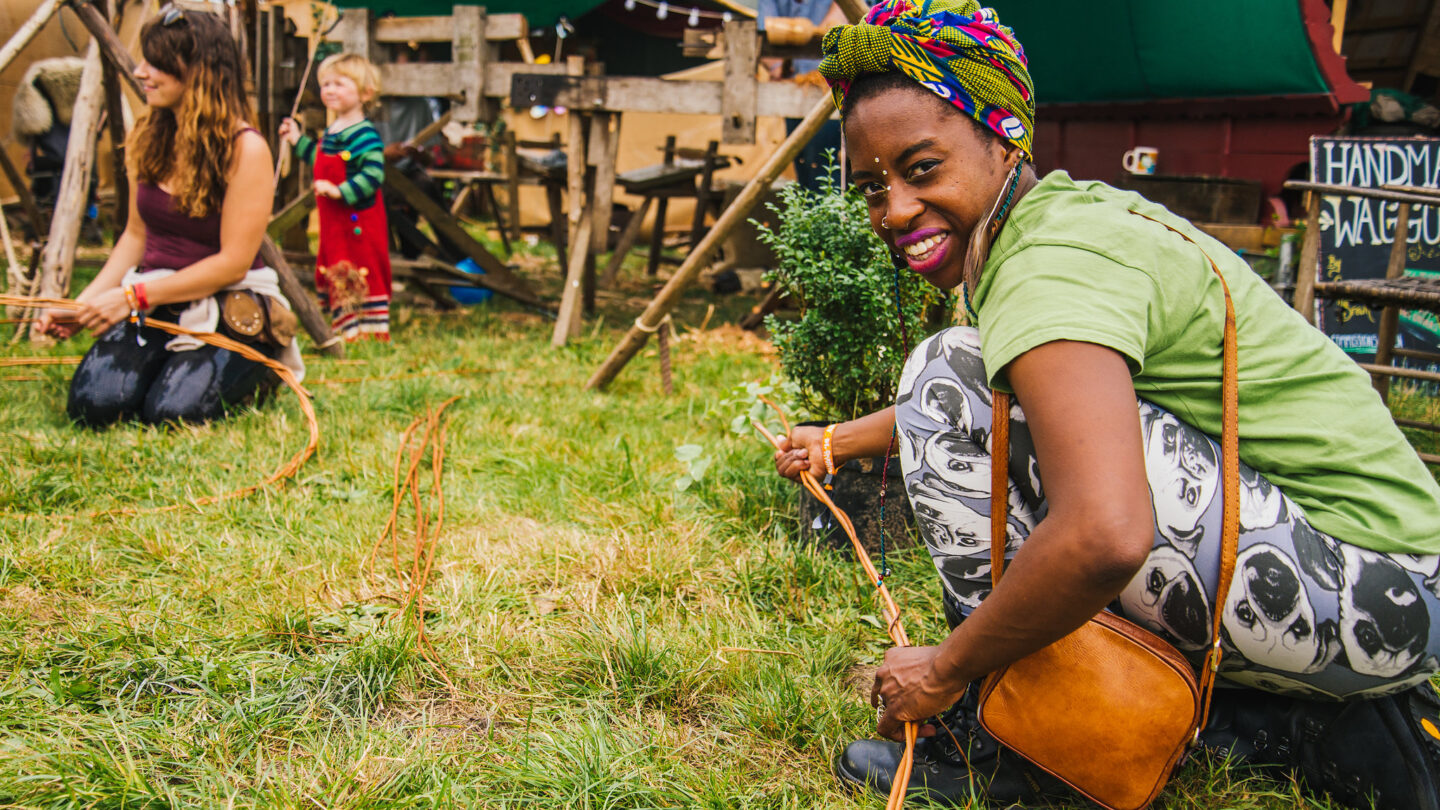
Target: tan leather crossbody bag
(1111,709)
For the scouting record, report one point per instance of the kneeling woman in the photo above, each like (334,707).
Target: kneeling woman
(198,214)
(1101,313)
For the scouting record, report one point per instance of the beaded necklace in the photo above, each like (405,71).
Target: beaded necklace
(996,222)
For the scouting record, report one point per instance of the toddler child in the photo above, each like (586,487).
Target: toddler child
(352,268)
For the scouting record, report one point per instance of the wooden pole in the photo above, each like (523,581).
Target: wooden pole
(512,185)
(604,149)
(59,257)
(574,165)
(15,281)
(110,44)
(627,241)
(27,32)
(39,223)
(305,309)
(1309,261)
(1390,316)
(577,213)
(431,130)
(570,304)
(115,105)
(651,318)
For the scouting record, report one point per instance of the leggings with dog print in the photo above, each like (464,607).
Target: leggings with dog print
(1307,614)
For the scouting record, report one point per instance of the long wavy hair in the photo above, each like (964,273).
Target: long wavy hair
(191,146)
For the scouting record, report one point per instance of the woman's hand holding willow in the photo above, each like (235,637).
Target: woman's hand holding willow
(910,691)
(801,451)
(104,310)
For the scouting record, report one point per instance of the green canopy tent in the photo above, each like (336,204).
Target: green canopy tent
(1140,50)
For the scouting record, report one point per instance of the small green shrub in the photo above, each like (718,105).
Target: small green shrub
(846,349)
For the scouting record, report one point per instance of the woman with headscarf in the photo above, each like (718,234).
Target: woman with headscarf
(1107,328)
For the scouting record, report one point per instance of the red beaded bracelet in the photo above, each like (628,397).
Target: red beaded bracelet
(140,297)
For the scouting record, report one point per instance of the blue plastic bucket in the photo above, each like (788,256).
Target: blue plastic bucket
(470,295)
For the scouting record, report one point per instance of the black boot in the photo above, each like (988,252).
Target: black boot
(958,765)
(1385,750)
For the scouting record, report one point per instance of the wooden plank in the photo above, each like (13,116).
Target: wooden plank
(291,215)
(305,308)
(1248,237)
(469,52)
(1390,316)
(569,322)
(497,276)
(738,97)
(499,28)
(644,94)
(419,79)
(501,74)
(1309,265)
(27,31)
(604,149)
(355,36)
(57,261)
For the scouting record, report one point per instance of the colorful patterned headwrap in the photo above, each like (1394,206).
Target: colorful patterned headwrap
(954,48)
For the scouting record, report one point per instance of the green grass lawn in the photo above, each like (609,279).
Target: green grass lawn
(580,603)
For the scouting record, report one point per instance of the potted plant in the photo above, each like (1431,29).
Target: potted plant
(845,350)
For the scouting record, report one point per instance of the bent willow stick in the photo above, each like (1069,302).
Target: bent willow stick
(285,374)
(888,609)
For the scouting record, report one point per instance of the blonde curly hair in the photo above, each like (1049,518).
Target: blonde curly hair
(192,145)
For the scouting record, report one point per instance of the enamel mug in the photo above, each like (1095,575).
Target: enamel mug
(1141,160)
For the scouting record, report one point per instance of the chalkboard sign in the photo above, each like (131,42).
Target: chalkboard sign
(1356,234)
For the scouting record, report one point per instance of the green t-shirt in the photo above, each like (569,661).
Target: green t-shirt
(1073,264)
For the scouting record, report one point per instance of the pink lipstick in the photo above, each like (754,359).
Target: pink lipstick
(925,249)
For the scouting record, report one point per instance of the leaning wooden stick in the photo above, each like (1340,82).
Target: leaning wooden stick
(888,608)
(282,160)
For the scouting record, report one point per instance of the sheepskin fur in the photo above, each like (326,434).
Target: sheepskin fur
(46,95)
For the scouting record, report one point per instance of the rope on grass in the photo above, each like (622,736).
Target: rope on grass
(213,339)
(427,524)
(889,609)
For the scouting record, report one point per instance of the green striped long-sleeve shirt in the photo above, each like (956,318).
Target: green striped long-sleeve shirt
(364,153)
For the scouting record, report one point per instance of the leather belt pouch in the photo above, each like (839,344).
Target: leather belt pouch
(253,317)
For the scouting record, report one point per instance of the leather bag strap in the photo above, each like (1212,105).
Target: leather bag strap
(1230,455)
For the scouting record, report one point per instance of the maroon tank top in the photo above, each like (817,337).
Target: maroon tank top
(173,240)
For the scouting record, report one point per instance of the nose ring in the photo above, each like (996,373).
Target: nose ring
(885,222)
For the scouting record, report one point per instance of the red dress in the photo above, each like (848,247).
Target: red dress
(352,270)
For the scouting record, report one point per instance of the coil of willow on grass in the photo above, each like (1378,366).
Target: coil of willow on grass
(213,339)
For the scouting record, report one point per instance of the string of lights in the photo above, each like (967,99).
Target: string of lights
(663,9)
